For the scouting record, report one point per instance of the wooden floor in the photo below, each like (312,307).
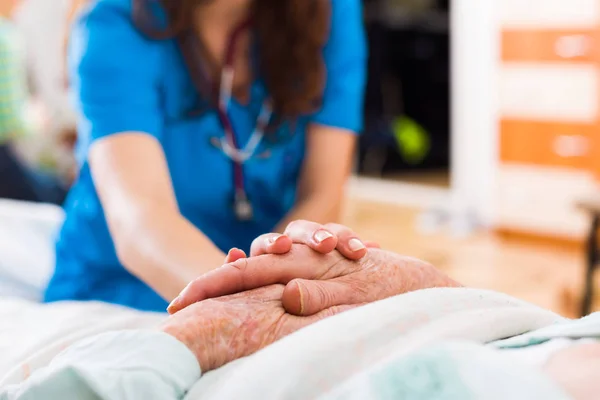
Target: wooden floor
(427,178)
(542,274)
(434,178)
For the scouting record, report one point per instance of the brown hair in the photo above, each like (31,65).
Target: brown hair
(290,35)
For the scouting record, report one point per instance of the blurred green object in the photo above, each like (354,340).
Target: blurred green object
(412,140)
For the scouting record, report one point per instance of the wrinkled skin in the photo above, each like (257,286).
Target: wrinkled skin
(315,282)
(222,330)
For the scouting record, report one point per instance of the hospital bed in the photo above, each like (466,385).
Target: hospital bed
(32,334)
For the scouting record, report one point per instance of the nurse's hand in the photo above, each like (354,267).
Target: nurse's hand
(315,282)
(321,238)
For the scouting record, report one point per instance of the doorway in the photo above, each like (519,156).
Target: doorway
(407,109)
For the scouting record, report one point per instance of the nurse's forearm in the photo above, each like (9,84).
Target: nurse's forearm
(315,208)
(167,252)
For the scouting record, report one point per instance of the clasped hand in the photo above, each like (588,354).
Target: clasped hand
(331,245)
(222,330)
(250,303)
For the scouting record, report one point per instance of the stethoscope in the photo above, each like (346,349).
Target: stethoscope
(242,206)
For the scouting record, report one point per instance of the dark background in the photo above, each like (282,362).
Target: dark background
(409,74)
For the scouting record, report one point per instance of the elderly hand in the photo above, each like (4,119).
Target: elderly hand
(222,330)
(321,238)
(315,282)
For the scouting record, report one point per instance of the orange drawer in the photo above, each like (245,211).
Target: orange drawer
(595,156)
(548,143)
(550,45)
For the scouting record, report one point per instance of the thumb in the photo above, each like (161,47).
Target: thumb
(297,323)
(304,297)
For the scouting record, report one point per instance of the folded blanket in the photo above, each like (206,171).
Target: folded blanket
(27,233)
(318,359)
(449,371)
(428,344)
(466,370)
(33,334)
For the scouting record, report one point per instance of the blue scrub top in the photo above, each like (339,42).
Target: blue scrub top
(125,82)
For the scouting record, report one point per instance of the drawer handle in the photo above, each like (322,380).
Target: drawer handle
(571,146)
(572,46)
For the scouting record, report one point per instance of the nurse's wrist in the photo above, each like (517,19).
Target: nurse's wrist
(204,260)
(211,259)
(211,262)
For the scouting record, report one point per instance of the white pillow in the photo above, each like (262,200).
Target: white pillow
(27,232)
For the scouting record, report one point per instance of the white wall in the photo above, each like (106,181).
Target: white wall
(43,26)
(474,139)
(475,55)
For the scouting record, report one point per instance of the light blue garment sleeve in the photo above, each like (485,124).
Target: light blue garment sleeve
(583,328)
(115,72)
(120,365)
(346,62)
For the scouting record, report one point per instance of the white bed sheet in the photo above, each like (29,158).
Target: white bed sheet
(31,334)
(27,233)
(396,327)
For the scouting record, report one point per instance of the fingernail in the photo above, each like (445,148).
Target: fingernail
(173,304)
(273,239)
(321,236)
(301,294)
(356,245)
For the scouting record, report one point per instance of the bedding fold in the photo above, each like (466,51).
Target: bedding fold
(313,361)
(434,339)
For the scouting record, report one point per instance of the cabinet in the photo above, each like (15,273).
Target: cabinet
(549,114)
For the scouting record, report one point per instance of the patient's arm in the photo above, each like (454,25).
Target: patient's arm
(164,364)
(114,366)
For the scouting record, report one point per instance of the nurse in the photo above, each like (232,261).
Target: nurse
(203,125)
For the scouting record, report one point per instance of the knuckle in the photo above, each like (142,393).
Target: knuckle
(262,238)
(296,224)
(340,230)
(324,296)
(302,225)
(258,239)
(241,265)
(257,243)
(333,225)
